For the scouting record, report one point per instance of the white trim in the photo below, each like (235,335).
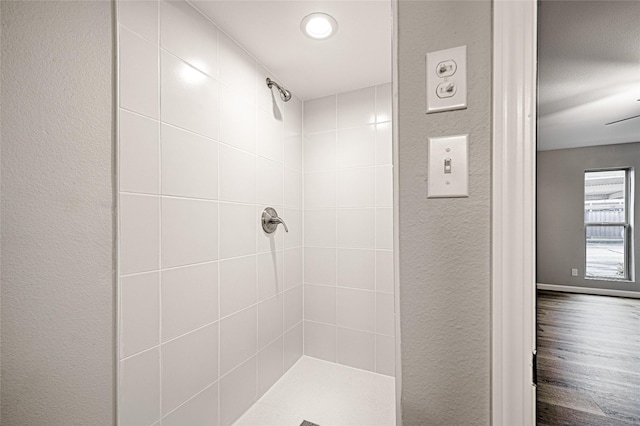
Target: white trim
(396,210)
(513,212)
(587,290)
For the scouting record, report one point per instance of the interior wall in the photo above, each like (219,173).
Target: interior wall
(348,229)
(210,305)
(57,213)
(560,212)
(444,243)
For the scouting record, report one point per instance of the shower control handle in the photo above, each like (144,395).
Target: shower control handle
(270,221)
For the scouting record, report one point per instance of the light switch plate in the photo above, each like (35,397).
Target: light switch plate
(448,173)
(447,79)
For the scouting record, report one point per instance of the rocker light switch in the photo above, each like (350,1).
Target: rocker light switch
(448,174)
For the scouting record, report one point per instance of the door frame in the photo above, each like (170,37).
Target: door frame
(513,252)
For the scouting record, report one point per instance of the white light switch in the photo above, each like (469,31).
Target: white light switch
(448,174)
(447,79)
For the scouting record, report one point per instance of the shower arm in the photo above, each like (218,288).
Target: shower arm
(284,93)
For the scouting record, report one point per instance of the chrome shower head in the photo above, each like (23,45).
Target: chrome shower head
(284,93)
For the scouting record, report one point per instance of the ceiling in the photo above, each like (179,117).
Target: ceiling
(588,72)
(357,56)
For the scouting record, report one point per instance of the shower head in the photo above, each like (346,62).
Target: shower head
(284,93)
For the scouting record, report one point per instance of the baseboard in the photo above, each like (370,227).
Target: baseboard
(587,290)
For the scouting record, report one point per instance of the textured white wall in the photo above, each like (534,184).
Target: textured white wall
(444,243)
(57,213)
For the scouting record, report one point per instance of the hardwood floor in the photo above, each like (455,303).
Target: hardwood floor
(588,359)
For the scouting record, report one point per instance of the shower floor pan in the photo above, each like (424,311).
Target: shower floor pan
(326,394)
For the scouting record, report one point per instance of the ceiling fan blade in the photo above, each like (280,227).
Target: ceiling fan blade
(624,119)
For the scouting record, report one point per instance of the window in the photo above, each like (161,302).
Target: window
(608,233)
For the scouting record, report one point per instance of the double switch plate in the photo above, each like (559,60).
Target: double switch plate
(447,79)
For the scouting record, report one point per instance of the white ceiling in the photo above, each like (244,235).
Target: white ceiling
(358,55)
(588,72)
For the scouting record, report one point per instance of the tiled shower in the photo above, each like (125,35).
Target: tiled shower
(212,310)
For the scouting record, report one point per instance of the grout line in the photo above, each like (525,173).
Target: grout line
(159,112)
(336,230)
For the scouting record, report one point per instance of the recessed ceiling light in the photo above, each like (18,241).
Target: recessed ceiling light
(319,26)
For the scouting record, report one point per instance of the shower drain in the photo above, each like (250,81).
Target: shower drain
(308,423)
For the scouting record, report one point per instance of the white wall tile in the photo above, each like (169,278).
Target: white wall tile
(237,120)
(384,271)
(356,146)
(320,228)
(140,17)
(189,97)
(270,135)
(293,189)
(385,355)
(293,152)
(189,298)
(189,365)
(237,284)
(269,183)
(356,187)
(320,303)
(139,238)
(320,151)
(356,268)
(293,117)
(201,410)
(293,133)
(237,230)
(237,68)
(293,346)
(270,274)
(138,74)
(356,309)
(238,338)
(270,365)
(320,265)
(320,341)
(189,231)
(293,300)
(292,267)
(139,313)
(139,390)
(186,33)
(384,314)
(270,319)
(383,103)
(384,145)
(293,218)
(356,228)
(189,164)
(237,175)
(356,349)
(357,108)
(139,153)
(384,186)
(384,228)
(238,390)
(319,190)
(319,115)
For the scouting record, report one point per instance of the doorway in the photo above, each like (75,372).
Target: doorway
(588,134)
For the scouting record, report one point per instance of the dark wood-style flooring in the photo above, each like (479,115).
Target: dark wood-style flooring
(588,360)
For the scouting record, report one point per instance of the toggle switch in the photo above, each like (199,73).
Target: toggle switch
(446,68)
(444,180)
(446,90)
(447,165)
